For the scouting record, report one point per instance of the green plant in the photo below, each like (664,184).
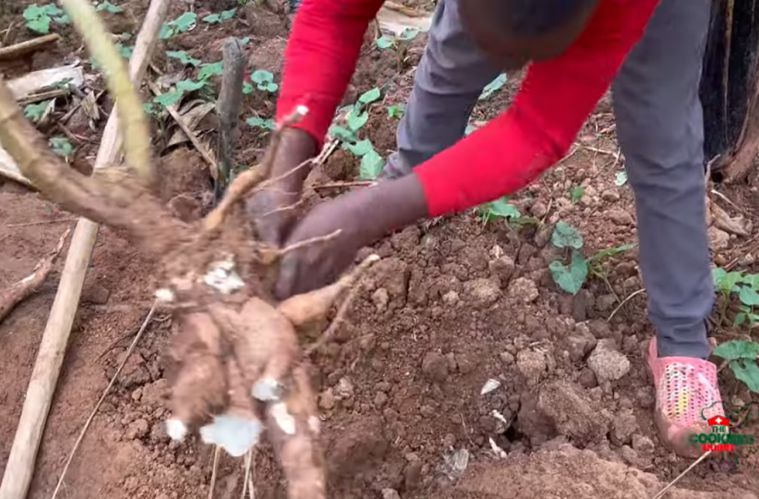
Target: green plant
(264,80)
(576,193)
(493,86)
(39,17)
(35,112)
(125,50)
(570,278)
(109,8)
(265,124)
(385,42)
(409,34)
(745,287)
(181,24)
(174,96)
(370,96)
(741,356)
(183,57)
(220,17)
(61,146)
(566,236)
(209,70)
(396,111)
(620,178)
(500,208)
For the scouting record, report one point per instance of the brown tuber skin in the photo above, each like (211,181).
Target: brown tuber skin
(224,343)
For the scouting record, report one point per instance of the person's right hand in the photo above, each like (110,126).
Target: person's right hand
(266,206)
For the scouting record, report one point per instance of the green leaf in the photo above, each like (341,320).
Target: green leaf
(493,86)
(226,15)
(610,252)
(342,133)
(740,319)
(726,282)
(396,111)
(247,88)
(186,22)
(183,57)
(409,34)
(357,121)
(262,123)
(748,372)
(360,148)
(125,51)
(40,25)
(737,349)
(271,87)
(501,208)
(566,236)
(261,76)
(186,86)
(209,70)
(576,193)
(149,108)
(244,41)
(370,96)
(571,278)
(167,31)
(469,129)
(748,296)
(212,19)
(35,112)
(371,165)
(61,146)
(62,19)
(109,7)
(169,98)
(620,179)
(384,42)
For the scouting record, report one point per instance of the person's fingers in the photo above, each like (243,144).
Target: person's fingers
(288,270)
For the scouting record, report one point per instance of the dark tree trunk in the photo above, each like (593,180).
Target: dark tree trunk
(730,88)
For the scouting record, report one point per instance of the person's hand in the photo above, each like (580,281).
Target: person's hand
(266,206)
(361,217)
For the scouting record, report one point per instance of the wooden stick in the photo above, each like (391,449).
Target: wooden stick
(228,109)
(174,112)
(23,48)
(50,94)
(17,292)
(20,466)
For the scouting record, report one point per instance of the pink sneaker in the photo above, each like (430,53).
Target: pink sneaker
(687,395)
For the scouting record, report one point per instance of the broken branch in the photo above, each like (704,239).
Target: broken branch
(23,48)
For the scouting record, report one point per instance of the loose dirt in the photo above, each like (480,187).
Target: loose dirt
(454,303)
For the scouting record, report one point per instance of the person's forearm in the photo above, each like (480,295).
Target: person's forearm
(556,98)
(320,59)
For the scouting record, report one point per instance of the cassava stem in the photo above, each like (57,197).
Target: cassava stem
(134,126)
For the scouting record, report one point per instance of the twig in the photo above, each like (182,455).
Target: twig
(228,107)
(18,291)
(336,322)
(23,48)
(661,493)
(188,131)
(630,297)
(8,32)
(102,398)
(326,151)
(50,94)
(408,11)
(727,200)
(308,242)
(289,207)
(247,481)
(344,185)
(43,222)
(214,470)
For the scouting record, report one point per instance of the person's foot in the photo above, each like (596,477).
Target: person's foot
(687,395)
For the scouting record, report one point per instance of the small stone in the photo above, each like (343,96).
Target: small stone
(327,400)
(619,217)
(623,427)
(526,251)
(581,303)
(449,440)
(523,290)
(502,268)
(390,494)
(607,362)
(580,343)
(642,444)
(629,455)
(532,365)
(137,429)
(96,294)
(539,209)
(542,236)
(483,292)
(507,358)
(344,389)
(451,298)
(718,238)
(380,399)
(381,298)
(435,367)
(587,379)
(383,386)
(407,239)
(610,196)
(645,397)
(604,303)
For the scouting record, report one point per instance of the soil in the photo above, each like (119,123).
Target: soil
(454,303)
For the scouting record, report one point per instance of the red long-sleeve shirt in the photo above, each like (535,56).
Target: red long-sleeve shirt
(554,101)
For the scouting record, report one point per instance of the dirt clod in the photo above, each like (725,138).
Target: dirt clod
(572,413)
(607,362)
(523,290)
(532,365)
(482,292)
(390,494)
(580,342)
(623,427)
(619,217)
(435,367)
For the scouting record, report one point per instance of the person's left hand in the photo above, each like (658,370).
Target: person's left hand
(361,216)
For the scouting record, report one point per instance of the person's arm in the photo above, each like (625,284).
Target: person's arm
(555,99)
(321,57)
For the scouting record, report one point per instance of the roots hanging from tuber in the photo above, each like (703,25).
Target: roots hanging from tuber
(238,370)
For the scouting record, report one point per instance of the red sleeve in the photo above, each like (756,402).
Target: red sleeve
(555,100)
(320,58)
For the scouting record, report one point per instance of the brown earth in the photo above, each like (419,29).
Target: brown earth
(454,303)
